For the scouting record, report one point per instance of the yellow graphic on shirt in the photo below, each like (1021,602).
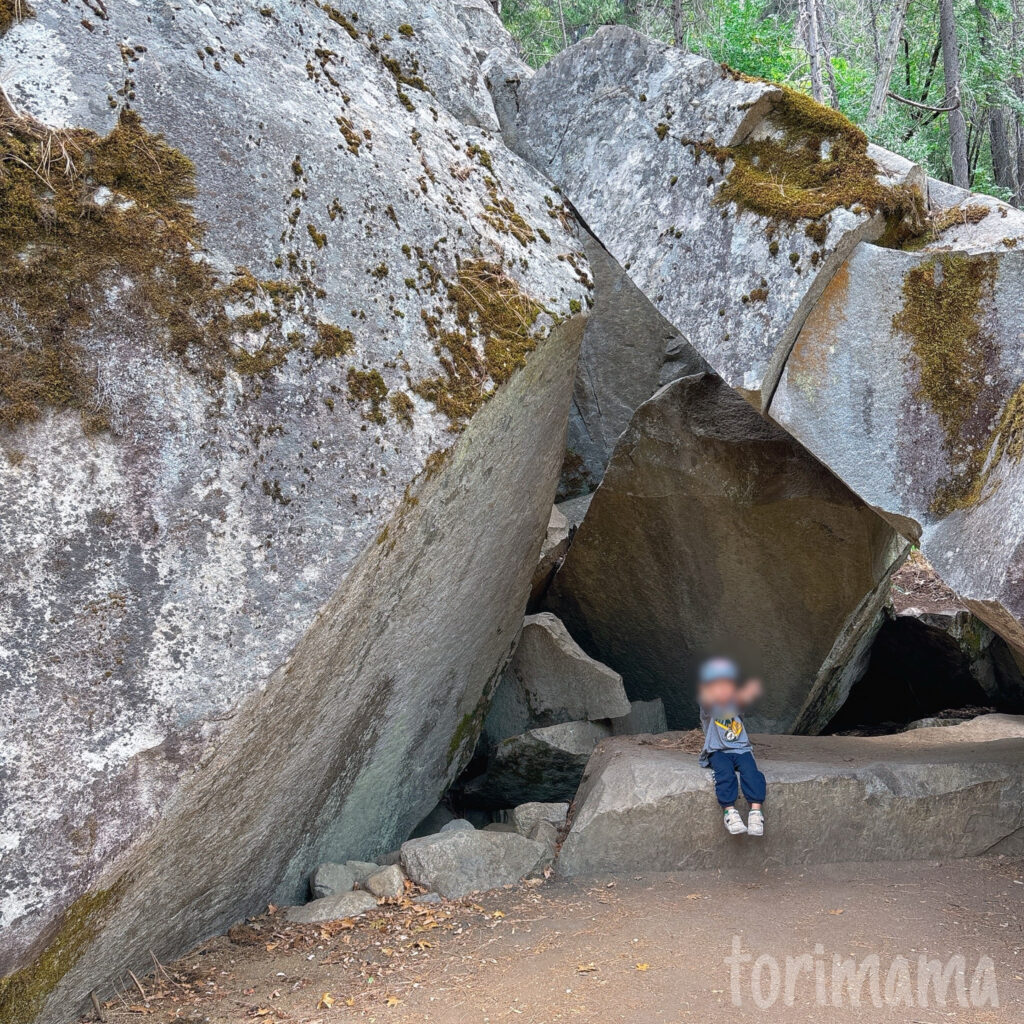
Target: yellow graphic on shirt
(732,727)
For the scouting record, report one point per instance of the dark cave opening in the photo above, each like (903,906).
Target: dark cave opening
(915,671)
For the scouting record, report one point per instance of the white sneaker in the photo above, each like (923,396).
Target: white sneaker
(734,823)
(755,823)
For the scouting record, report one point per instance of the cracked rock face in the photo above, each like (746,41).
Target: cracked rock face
(219,547)
(899,368)
(714,530)
(630,129)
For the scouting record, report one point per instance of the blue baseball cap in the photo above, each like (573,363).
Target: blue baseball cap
(718,668)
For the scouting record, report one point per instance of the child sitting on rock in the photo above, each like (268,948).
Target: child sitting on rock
(727,750)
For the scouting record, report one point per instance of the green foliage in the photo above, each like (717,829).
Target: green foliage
(742,34)
(762,38)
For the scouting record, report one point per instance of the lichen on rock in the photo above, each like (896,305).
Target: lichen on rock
(494,330)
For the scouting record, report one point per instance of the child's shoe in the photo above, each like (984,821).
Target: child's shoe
(734,823)
(755,823)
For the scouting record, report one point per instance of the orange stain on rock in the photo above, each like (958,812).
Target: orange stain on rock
(808,362)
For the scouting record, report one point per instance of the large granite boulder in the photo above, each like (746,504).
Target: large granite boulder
(674,163)
(731,204)
(550,680)
(646,805)
(714,531)
(629,350)
(255,493)
(907,381)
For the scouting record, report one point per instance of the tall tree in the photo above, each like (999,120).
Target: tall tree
(677,22)
(825,42)
(1017,86)
(951,68)
(888,61)
(876,50)
(808,9)
(999,142)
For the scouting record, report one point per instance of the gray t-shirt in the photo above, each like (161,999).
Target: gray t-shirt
(723,730)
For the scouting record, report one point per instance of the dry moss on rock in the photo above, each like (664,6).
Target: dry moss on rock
(944,300)
(12,11)
(84,214)
(368,387)
(943,220)
(494,332)
(402,408)
(332,341)
(814,161)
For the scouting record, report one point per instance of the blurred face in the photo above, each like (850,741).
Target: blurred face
(719,691)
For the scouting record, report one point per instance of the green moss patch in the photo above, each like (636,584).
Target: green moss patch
(814,162)
(332,341)
(944,300)
(24,993)
(493,334)
(944,220)
(402,408)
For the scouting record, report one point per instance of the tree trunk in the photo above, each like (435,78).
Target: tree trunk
(1017,85)
(876,50)
(825,41)
(810,20)
(677,22)
(561,22)
(998,140)
(951,68)
(892,48)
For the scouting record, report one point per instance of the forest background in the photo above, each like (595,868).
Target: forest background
(939,81)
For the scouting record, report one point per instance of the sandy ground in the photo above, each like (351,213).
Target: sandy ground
(638,949)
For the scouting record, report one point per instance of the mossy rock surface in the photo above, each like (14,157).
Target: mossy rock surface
(905,380)
(208,414)
(728,201)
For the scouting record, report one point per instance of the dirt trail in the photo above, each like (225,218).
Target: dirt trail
(640,949)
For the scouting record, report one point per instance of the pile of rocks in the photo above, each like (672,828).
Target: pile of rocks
(453,862)
(348,890)
(553,705)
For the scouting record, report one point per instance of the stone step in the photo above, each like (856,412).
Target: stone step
(646,805)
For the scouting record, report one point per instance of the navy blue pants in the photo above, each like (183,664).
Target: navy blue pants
(725,764)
